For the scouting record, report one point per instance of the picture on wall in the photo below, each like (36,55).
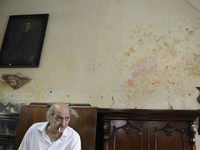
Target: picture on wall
(23,41)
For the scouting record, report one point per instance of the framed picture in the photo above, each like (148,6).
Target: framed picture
(23,41)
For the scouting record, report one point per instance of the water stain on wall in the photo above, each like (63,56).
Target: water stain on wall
(140,70)
(10,107)
(131,50)
(160,59)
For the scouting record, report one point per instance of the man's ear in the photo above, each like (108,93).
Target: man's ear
(49,118)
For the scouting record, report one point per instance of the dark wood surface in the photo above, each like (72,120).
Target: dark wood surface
(150,114)
(9,115)
(69,104)
(144,129)
(83,120)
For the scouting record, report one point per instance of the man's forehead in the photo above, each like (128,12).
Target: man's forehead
(61,112)
(61,115)
(61,106)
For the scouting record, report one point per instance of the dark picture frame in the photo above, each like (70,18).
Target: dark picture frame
(23,41)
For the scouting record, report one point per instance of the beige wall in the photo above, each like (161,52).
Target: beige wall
(112,53)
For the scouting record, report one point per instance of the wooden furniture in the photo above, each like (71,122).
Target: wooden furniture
(69,104)
(143,129)
(83,120)
(8,128)
(120,129)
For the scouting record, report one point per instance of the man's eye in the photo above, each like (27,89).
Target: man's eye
(59,118)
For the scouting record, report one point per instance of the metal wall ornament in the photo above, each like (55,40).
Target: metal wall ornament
(198,98)
(16,81)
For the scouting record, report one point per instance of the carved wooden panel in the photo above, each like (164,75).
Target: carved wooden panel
(106,130)
(145,129)
(192,132)
(127,134)
(169,135)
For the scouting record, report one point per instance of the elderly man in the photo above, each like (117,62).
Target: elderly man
(54,134)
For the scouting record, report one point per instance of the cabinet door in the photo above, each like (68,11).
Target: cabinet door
(169,135)
(6,145)
(127,135)
(8,126)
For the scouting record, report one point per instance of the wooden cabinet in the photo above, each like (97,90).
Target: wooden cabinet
(8,128)
(142,129)
(110,129)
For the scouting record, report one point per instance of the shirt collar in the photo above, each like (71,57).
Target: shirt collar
(66,132)
(42,128)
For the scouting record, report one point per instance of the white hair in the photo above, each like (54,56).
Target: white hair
(50,112)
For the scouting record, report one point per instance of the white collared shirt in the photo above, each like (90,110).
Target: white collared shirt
(37,139)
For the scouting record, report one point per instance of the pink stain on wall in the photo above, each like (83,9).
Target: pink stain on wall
(167,86)
(144,84)
(141,70)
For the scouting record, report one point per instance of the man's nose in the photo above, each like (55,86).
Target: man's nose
(63,122)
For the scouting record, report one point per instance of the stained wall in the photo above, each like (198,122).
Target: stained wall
(111,53)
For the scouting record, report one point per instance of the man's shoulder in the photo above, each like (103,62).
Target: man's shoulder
(71,131)
(38,124)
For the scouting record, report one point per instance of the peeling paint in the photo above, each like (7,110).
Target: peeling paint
(141,62)
(10,107)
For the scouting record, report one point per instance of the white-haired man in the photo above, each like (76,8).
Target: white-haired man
(54,134)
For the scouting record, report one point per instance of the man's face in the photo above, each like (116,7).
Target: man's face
(27,26)
(60,119)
